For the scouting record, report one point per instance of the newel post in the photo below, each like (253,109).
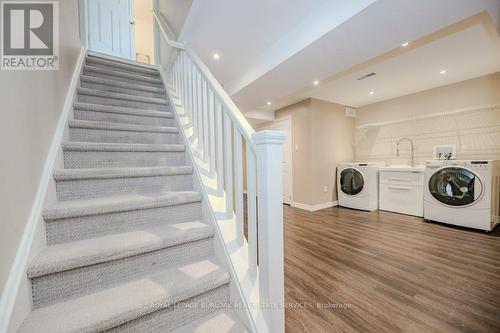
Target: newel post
(269,151)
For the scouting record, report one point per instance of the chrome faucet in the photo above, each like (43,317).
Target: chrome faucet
(412,150)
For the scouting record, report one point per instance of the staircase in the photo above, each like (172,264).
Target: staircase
(128,248)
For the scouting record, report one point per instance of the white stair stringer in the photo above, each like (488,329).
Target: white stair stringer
(129,245)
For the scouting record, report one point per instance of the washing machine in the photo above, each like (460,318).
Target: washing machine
(357,185)
(463,193)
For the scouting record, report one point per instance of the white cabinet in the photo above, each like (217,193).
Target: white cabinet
(402,190)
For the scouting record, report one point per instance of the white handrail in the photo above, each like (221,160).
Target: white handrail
(235,114)
(218,135)
(167,32)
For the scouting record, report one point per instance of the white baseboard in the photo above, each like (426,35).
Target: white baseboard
(313,208)
(18,268)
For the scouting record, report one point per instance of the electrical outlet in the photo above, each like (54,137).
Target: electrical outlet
(296,147)
(325,189)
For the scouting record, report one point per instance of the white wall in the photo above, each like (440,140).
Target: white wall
(31,103)
(476,134)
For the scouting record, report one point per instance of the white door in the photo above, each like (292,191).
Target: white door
(111,27)
(285,126)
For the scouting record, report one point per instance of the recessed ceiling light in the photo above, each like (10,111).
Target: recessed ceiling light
(443,71)
(268,103)
(405,44)
(372,92)
(216,56)
(316,82)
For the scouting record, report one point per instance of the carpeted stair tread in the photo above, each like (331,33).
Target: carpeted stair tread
(121,127)
(104,173)
(123,147)
(125,97)
(119,60)
(108,63)
(120,84)
(126,75)
(121,110)
(128,301)
(126,239)
(71,255)
(223,321)
(121,203)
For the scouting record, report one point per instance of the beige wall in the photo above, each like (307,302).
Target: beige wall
(332,137)
(301,119)
(31,103)
(324,136)
(144,42)
(476,134)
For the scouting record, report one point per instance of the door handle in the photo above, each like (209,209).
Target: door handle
(399,188)
(132,22)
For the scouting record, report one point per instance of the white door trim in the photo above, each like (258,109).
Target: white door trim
(83,16)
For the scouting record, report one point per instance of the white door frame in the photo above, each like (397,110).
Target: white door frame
(83,16)
(84,19)
(288,119)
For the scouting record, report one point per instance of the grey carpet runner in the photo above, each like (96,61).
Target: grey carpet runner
(128,249)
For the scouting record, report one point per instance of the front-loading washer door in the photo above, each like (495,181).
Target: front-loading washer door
(455,186)
(352,181)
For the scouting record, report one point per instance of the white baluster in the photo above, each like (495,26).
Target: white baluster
(184,80)
(181,76)
(205,121)
(195,102)
(228,163)
(211,118)
(219,147)
(176,76)
(251,209)
(238,185)
(269,152)
(190,92)
(199,115)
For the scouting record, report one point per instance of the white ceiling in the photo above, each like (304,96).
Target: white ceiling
(240,30)
(464,55)
(247,34)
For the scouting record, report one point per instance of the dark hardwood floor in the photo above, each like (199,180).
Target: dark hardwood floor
(386,272)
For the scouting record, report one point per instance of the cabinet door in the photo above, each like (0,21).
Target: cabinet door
(402,199)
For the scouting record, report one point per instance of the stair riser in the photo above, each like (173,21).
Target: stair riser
(98,188)
(108,159)
(122,118)
(109,136)
(121,102)
(111,65)
(117,77)
(86,227)
(178,315)
(121,90)
(57,287)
